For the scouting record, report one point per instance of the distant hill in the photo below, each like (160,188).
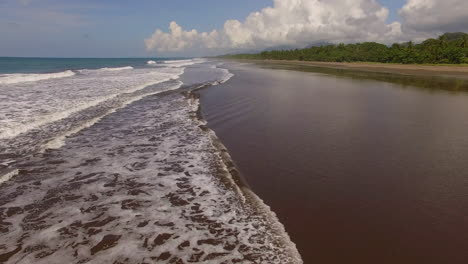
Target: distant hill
(454,36)
(282,47)
(319,44)
(291,47)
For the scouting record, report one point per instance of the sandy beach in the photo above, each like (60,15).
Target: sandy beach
(407,69)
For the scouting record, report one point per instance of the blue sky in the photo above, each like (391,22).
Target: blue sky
(393,6)
(114,28)
(109,28)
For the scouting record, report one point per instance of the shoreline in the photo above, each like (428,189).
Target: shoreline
(229,174)
(200,212)
(193,96)
(404,69)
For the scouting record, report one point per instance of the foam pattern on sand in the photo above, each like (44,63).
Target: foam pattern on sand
(143,185)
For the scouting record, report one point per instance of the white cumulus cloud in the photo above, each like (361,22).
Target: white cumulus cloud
(288,22)
(435,15)
(178,39)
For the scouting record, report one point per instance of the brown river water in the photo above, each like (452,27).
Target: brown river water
(359,167)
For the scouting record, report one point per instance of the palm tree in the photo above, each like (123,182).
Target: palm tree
(443,41)
(442,45)
(464,41)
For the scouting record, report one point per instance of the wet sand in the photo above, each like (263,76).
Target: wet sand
(359,167)
(407,69)
(146,184)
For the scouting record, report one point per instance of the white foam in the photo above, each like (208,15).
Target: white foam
(253,200)
(177,61)
(106,69)
(117,69)
(183,63)
(7,162)
(146,153)
(227,76)
(150,62)
(59,141)
(32,106)
(22,78)
(275,224)
(8,176)
(21,128)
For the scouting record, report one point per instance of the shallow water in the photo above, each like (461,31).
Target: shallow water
(134,177)
(359,167)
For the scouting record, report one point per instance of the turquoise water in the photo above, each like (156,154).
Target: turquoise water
(10,65)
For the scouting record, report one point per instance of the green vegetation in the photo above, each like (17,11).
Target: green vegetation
(450,48)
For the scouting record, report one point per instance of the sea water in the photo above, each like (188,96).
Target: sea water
(107,161)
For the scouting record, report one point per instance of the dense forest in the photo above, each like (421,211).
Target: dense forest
(450,48)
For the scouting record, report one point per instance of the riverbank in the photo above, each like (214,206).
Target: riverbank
(406,69)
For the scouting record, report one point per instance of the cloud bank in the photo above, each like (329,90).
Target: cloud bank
(302,22)
(435,15)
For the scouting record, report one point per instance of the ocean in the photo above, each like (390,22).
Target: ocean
(109,161)
(9,65)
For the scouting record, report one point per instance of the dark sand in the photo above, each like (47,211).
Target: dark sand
(408,69)
(360,167)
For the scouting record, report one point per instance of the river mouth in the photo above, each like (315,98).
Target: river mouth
(359,167)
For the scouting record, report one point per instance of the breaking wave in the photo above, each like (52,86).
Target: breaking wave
(117,68)
(33,77)
(183,63)
(132,177)
(107,69)
(7,176)
(29,109)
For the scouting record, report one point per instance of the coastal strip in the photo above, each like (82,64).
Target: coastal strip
(458,71)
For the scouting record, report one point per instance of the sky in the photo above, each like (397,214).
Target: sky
(148,28)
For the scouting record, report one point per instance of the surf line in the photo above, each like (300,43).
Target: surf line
(59,141)
(230,175)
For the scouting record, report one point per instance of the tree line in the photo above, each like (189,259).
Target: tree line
(449,48)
